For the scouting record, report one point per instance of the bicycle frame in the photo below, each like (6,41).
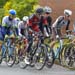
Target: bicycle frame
(58,50)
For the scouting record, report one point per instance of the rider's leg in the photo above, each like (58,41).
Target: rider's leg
(28,50)
(3,51)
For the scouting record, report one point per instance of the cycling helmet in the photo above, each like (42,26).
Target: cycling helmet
(25,18)
(12,12)
(67,12)
(47,9)
(39,10)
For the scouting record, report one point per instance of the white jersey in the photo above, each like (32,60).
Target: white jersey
(62,22)
(22,26)
(17,20)
(7,22)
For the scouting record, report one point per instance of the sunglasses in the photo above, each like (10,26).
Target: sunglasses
(47,13)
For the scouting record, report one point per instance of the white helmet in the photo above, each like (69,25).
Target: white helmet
(67,12)
(25,18)
(47,9)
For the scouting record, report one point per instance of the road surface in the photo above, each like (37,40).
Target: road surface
(15,70)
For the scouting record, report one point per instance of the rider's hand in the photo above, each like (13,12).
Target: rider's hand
(23,37)
(30,31)
(57,36)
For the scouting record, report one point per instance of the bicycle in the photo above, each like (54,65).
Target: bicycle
(37,54)
(69,51)
(10,52)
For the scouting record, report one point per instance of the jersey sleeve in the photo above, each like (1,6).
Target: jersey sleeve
(56,22)
(31,20)
(4,21)
(19,28)
(15,24)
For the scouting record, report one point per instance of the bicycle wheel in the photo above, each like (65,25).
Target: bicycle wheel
(40,57)
(1,52)
(69,55)
(61,55)
(17,57)
(0,56)
(10,58)
(22,63)
(50,57)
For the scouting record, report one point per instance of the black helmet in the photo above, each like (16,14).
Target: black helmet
(39,10)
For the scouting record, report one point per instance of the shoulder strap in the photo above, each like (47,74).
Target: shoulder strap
(60,20)
(67,27)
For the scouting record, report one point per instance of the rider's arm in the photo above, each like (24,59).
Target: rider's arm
(67,27)
(4,20)
(19,29)
(30,24)
(49,21)
(56,22)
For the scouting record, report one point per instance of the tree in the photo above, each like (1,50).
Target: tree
(23,7)
(2,2)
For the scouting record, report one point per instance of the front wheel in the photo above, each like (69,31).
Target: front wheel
(22,63)
(10,57)
(40,57)
(50,57)
(69,55)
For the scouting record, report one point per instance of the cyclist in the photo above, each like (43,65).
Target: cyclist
(8,22)
(23,32)
(23,27)
(33,25)
(46,20)
(35,19)
(60,22)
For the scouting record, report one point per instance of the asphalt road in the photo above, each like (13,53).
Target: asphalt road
(15,70)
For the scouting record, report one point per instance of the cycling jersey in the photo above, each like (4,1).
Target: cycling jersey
(46,20)
(22,29)
(61,22)
(45,24)
(34,23)
(7,22)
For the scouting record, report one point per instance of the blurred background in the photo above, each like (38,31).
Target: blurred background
(27,7)
(58,7)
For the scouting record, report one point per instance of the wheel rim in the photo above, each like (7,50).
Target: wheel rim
(22,64)
(50,56)
(40,58)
